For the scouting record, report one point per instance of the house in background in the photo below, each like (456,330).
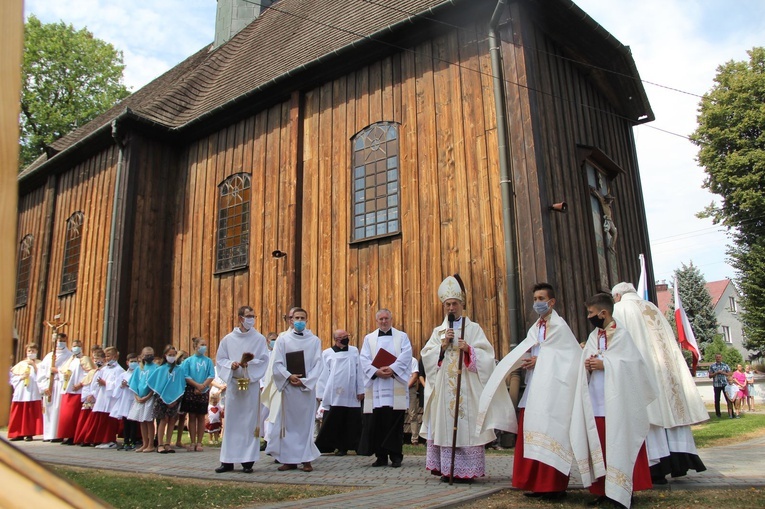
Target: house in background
(345,156)
(725,302)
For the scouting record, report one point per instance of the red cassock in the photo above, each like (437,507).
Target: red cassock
(69,412)
(101,428)
(533,475)
(25,419)
(84,421)
(641,473)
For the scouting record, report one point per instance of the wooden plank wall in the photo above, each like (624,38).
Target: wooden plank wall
(450,205)
(31,219)
(201,302)
(567,111)
(87,187)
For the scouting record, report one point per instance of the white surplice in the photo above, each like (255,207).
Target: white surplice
(623,400)
(24,382)
(291,440)
(240,441)
(52,404)
(393,391)
(342,380)
(111,375)
(122,395)
(679,403)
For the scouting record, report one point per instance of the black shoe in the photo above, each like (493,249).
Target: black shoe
(27,439)
(56,440)
(16,439)
(44,440)
(380,463)
(444,478)
(225,467)
(396,463)
(341,453)
(598,501)
(553,495)
(659,480)
(247,470)
(533,494)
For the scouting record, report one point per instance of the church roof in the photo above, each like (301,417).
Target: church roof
(298,38)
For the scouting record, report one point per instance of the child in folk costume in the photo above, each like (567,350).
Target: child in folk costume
(199,372)
(142,408)
(74,371)
(26,406)
(85,419)
(168,383)
(214,418)
(123,400)
(105,427)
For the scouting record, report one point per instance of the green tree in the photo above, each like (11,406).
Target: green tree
(731,144)
(697,304)
(730,355)
(69,77)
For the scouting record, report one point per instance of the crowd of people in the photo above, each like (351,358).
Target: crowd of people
(617,409)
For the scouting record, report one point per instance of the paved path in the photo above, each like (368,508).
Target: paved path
(406,487)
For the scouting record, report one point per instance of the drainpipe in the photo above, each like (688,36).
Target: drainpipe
(506,182)
(107,340)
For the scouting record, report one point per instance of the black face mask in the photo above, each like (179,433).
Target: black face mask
(345,341)
(148,358)
(597,321)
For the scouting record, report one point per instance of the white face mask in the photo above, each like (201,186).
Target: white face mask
(171,358)
(61,345)
(32,355)
(248,323)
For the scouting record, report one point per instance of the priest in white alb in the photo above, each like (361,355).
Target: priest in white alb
(52,393)
(343,392)
(297,368)
(609,423)
(670,445)
(550,357)
(241,362)
(457,337)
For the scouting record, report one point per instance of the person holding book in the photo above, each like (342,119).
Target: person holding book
(457,344)
(241,361)
(297,367)
(386,362)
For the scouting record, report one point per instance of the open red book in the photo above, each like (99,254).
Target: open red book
(383,358)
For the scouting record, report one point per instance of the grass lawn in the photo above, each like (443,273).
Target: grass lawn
(726,431)
(747,498)
(132,491)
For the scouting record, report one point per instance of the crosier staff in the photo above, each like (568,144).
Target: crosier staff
(452,319)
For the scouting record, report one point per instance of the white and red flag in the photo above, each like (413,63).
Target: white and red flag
(684,332)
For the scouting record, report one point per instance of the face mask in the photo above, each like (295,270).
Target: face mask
(248,323)
(299,326)
(345,341)
(134,365)
(202,349)
(148,358)
(273,342)
(597,321)
(77,350)
(112,363)
(32,356)
(61,345)
(541,307)
(171,358)
(99,363)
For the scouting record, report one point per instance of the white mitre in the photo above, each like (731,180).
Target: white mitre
(450,289)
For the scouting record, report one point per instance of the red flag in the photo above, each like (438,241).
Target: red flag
(684,332)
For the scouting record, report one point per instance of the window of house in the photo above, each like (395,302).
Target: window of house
(376,195)
(726,334)
(23,269)
(732,302)
(72,244)
(233,244)
(599,180)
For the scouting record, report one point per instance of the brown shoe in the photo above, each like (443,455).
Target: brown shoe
(307,467)
(286,467)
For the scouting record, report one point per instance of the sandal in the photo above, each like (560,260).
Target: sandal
(198,448)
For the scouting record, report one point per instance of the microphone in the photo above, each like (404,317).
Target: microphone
(451,319)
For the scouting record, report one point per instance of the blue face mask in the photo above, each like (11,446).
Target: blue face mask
(133,365)
(202,349)
(299,326)
(541,307)
(273,342)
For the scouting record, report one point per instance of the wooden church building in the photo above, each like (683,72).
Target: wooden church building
(344,156)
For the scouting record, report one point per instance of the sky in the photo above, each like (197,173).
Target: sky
(675,43)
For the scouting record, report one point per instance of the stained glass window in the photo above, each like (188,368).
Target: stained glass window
(71,268)
(22,272)
(375,190)
(233,244)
